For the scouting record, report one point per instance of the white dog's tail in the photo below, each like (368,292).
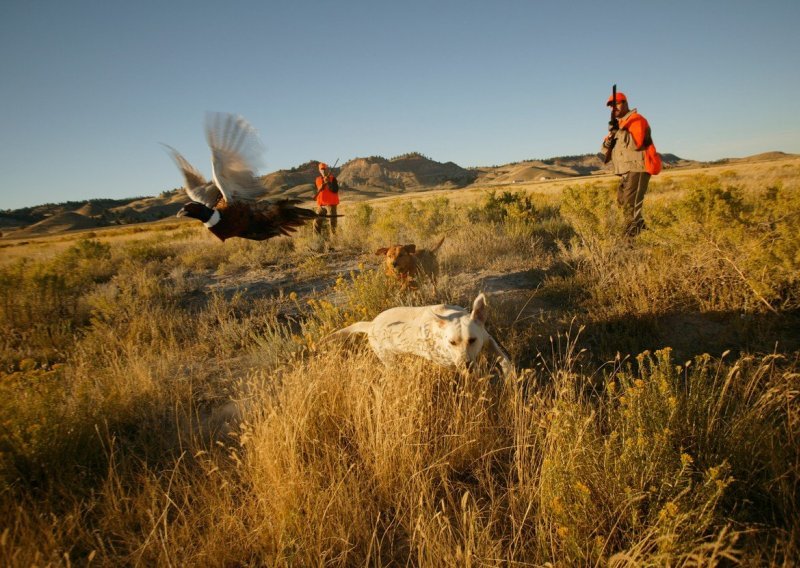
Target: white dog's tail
(358,327)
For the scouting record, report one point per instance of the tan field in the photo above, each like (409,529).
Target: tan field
(169,399)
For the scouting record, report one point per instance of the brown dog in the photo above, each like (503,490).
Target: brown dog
(408,264)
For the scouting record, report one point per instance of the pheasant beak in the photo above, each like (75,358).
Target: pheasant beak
(182,213)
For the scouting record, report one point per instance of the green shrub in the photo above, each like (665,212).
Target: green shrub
(743,239)
(361,216)
(507,206)
(414,222)
(591,211)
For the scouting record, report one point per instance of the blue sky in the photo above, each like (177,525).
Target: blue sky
(89,88)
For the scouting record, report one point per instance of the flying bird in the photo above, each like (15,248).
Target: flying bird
(228,204)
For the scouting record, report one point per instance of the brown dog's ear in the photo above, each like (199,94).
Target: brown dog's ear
(410,249)
(381,251)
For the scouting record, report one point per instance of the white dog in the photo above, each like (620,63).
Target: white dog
(448,335)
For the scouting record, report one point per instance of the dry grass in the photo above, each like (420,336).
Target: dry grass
(155,412)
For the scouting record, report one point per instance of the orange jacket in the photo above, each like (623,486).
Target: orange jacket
(327,190)
(634,150)
(637,125)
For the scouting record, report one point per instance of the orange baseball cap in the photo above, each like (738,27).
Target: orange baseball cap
(323,166)
(620,97)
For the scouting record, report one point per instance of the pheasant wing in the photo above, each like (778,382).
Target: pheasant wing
(235,153)
(197,188)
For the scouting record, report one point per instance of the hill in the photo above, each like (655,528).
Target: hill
(296,182)
(559,167)
(405,173)
(150,208)
(71,216)
(763,157)
(369,177)
(60,222)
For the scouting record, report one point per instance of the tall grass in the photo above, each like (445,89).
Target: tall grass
(153,414)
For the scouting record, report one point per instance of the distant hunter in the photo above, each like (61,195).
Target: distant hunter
(630,149)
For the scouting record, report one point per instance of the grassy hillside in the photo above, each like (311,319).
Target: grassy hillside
(361,178)
(166,399)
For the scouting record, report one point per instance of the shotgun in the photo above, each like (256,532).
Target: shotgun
(613,124)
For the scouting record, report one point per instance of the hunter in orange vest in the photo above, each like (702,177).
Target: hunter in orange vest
(634,159)
(327,198)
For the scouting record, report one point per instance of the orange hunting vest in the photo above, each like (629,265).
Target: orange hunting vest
(326,196)
(639,128)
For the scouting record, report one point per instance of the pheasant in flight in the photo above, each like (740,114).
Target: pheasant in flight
(228,204)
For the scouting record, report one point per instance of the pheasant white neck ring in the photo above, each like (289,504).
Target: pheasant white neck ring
(213,220)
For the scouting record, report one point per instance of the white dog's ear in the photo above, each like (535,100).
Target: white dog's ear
(441,320)
(479,309)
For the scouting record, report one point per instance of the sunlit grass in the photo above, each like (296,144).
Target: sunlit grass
(154,413)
